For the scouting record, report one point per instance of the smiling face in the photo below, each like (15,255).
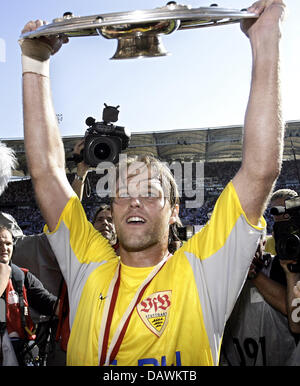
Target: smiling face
(103,223)
(6,246)
(141,213)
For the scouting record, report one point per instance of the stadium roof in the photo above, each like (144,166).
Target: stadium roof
(187,145)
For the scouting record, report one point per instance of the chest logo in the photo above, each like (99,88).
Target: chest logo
(154,311)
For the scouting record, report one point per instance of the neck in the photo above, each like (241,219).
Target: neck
(146,258)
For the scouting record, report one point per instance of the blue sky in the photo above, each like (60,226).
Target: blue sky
(204,82)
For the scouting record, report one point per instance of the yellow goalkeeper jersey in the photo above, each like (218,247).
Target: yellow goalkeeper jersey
(170,314)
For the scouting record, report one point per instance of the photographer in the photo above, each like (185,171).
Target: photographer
(267,303)
(290,267)
(284,269)
(257,332)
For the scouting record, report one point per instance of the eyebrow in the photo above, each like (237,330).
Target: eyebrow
(7,241)
(155,180)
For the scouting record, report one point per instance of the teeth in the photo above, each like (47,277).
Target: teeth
(135,219)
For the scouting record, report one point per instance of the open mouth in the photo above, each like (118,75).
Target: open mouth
(135,220)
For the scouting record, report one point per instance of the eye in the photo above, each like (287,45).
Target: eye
(151,193)
(122,193)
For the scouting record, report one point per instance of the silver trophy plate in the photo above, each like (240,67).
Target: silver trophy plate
(139,32)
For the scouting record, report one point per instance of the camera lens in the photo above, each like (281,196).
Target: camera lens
(99,148)
(288,247)
(102,151)
(292,246)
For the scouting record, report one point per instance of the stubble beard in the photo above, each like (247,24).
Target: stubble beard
(137,243)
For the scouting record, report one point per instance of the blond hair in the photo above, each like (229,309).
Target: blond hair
(8,163)
(283,193)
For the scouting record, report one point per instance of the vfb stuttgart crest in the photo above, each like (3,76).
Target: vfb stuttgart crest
(154,311)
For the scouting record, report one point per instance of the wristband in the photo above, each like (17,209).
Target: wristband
(35,56)
(35,66)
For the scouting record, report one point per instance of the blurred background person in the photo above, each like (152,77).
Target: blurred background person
(18,289)
(257,332)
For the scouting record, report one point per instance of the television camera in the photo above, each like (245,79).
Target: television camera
(103,141)
(287,232)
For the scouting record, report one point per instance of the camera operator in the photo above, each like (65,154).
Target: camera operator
(282,269)
(277,289)
(257,332)
(292,274)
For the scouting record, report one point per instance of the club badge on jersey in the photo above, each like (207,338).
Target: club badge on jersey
(154,311)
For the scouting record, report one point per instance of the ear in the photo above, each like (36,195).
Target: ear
(174,214)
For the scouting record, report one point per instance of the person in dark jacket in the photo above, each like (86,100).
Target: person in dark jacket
(16,325)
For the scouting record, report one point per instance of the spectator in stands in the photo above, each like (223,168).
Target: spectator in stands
(19,201)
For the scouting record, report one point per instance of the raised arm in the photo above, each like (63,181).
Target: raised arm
(263,127)
(44,147)
(81,173)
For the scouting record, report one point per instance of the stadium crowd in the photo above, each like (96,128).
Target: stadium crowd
(19,201)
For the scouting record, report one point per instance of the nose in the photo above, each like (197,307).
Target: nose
(3,247)
(135,202)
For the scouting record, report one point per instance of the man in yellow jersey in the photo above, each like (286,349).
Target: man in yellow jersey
(149,307)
